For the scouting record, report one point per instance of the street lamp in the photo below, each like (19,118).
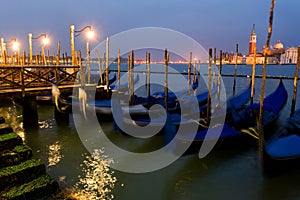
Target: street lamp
(74,33)
(15,47)
(90,34)
(14,42)
(45,41)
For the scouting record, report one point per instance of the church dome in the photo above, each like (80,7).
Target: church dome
(278,45)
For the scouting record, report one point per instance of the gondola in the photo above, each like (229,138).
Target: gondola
(229,132)
(95,78)
(158,120)
(103,107)
(282,152)
(124,85)
(272,106)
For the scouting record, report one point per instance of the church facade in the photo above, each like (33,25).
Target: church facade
(277,54)
(290,56)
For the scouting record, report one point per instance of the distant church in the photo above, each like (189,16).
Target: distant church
(277,54)
(252,42)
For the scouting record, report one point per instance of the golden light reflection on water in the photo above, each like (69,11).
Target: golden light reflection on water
(54,154)
(13,119)
(45,124)
(98,179)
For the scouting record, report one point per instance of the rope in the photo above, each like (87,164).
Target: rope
(202,123)
(248,131)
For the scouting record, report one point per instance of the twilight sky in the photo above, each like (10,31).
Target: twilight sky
(212,23)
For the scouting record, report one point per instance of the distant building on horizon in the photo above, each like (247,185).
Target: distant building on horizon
(252,42)
(290,56)
(277,54)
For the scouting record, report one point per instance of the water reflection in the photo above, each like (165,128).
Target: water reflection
(98,179)
(45,124)
(54,152)
(10,111)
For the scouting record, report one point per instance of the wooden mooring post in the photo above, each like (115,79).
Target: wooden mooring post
(88,63)
(107,63)
(189,73)
(99,65)
(209,87)
(148,73)
(119,69)
(195,67)
(166,89)
(131,87)
(128,72)
(219,77)
(253,75)
(261,138)
(235,68)
(295,84)
(215,64)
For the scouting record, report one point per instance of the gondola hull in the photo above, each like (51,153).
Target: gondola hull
(283,152)
(232,134)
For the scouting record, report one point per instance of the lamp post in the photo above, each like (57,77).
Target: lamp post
(74,33)
(72,36)
(45,41)
(15,48)
(2,48)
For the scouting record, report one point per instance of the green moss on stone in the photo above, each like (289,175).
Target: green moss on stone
(38,188)
(21,173)
(22,148)
(8,136)
(14,156)
(10,140)
(20,167)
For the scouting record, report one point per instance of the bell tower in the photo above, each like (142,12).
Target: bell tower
(252,42)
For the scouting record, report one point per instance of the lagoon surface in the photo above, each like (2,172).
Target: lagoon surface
(232,173)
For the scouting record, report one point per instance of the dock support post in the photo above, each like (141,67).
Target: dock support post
(30,115)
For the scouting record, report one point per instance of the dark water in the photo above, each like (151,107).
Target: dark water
(232,173)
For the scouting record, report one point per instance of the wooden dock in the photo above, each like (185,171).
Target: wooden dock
(36,80)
